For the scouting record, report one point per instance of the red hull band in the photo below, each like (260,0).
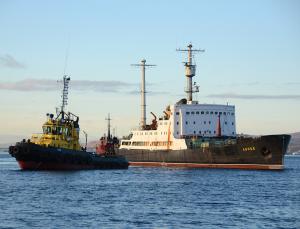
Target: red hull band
(31,165)
(216,166)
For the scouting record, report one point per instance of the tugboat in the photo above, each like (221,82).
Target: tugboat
(107,143)
(58,148)
(194,135)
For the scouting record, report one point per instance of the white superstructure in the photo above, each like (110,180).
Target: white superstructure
(185,119)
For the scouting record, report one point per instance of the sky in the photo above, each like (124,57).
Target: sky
(251,60)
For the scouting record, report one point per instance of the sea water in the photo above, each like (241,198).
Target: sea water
(149,197)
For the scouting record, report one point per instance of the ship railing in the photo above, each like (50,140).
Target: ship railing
(41,136)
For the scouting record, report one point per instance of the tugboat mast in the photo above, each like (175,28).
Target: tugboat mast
(64,96)
(190,72)
(108,125)
(143,66)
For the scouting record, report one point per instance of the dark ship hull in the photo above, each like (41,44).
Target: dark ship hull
(31,156)
(264,152)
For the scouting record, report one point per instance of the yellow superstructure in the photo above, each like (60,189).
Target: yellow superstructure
(61,132)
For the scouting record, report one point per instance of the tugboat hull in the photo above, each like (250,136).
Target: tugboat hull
(31,156)
(265,152)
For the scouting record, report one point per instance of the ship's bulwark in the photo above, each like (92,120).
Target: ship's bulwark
(265,152)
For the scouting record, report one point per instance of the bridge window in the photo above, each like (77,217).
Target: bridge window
(47,130)
(216,112)
(187,112)
(192,112)
(177,113)
(202,112)
(66,131)
(197,112)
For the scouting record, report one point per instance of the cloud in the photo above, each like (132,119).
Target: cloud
(101,86)
(10,62)
(150,93)
(53,85)
(293,83)
(240,96)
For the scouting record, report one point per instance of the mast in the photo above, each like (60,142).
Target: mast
(108,125)
(143,66)
(64,96)
(190,72)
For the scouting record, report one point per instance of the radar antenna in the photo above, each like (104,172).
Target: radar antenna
(143,66)
(190,72)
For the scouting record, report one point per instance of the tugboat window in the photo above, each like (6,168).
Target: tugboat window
(47,130)
(54,131)
(59,130)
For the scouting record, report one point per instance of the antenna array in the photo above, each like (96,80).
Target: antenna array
(66,81)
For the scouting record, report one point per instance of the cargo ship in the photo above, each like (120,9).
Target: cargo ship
(58,147)
(194,135)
